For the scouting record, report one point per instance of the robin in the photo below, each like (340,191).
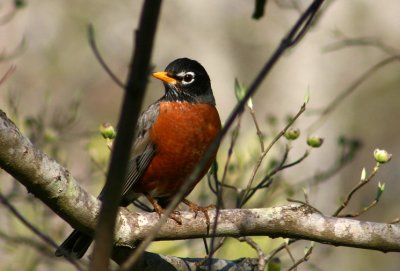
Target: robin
(172,135)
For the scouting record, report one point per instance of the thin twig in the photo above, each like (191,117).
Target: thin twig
(304,259)
(365,209)
(279,249)
(264,182)
(259,133)
(9,72)
(361,41)
(262,156)
(15,53)
(260,253)
(355,189)
(207,257)
(350,89)
(289,252)
(93,46)
(267,180)
(219,205)
(36,231)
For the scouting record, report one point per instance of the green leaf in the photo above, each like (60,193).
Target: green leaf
(379,192)
(307,97)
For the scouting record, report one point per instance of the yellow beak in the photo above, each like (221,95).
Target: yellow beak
(163,76)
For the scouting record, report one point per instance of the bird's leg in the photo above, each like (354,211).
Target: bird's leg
(196,208)
(160,210)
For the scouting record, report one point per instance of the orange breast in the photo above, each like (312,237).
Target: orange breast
(182,133)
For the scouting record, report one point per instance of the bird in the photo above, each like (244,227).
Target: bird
(172,135)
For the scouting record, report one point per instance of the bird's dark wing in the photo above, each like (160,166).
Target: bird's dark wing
(143,149)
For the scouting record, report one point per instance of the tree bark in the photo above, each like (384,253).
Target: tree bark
(54,185)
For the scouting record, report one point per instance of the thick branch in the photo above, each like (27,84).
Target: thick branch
(150,261)
(54,185)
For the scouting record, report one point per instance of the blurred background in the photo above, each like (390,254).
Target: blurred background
(59,95)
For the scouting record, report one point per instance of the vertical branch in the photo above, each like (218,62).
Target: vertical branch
(134,93)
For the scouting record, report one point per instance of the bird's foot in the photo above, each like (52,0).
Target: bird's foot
(175,215)
(196,209)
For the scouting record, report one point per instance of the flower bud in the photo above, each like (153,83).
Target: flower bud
(315,141)
(379,192)
(107,131)
(292,134)
(240,90)
(50,135)
(274,264)
(382,156)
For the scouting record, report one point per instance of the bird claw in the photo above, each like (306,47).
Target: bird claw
(175,215)
(196,209)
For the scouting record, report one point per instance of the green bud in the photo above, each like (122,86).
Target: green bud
(250,103)
(274,264)
(107,131)
(382,156)
(292,134)
(342,140)
(240,92)
(50,135)
(315,141)
(363,174)
(272,120)
(379,192)
(19,3)
(307,97)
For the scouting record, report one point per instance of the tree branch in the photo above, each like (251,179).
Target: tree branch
(54,185)
(130,111)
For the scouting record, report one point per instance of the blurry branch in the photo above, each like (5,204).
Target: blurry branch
(219,185)
(7,74)
(345,42)
(18,4)
(349,149)
(135,88)
(93,46)
(150,261)
(256,247)
(259,133)
(16,241)
(8,17)
(289,4)
(349,90)
(304,258)
(289,252)
(281,247)
(36,231)
(16,52)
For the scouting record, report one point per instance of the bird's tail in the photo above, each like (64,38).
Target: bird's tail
(75,245)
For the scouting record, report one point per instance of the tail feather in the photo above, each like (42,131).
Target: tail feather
(75,245)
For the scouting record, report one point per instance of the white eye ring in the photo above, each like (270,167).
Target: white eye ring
(188,78)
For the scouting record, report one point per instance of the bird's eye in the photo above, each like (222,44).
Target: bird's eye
(188,78)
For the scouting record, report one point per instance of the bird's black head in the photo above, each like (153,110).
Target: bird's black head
(186,80)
